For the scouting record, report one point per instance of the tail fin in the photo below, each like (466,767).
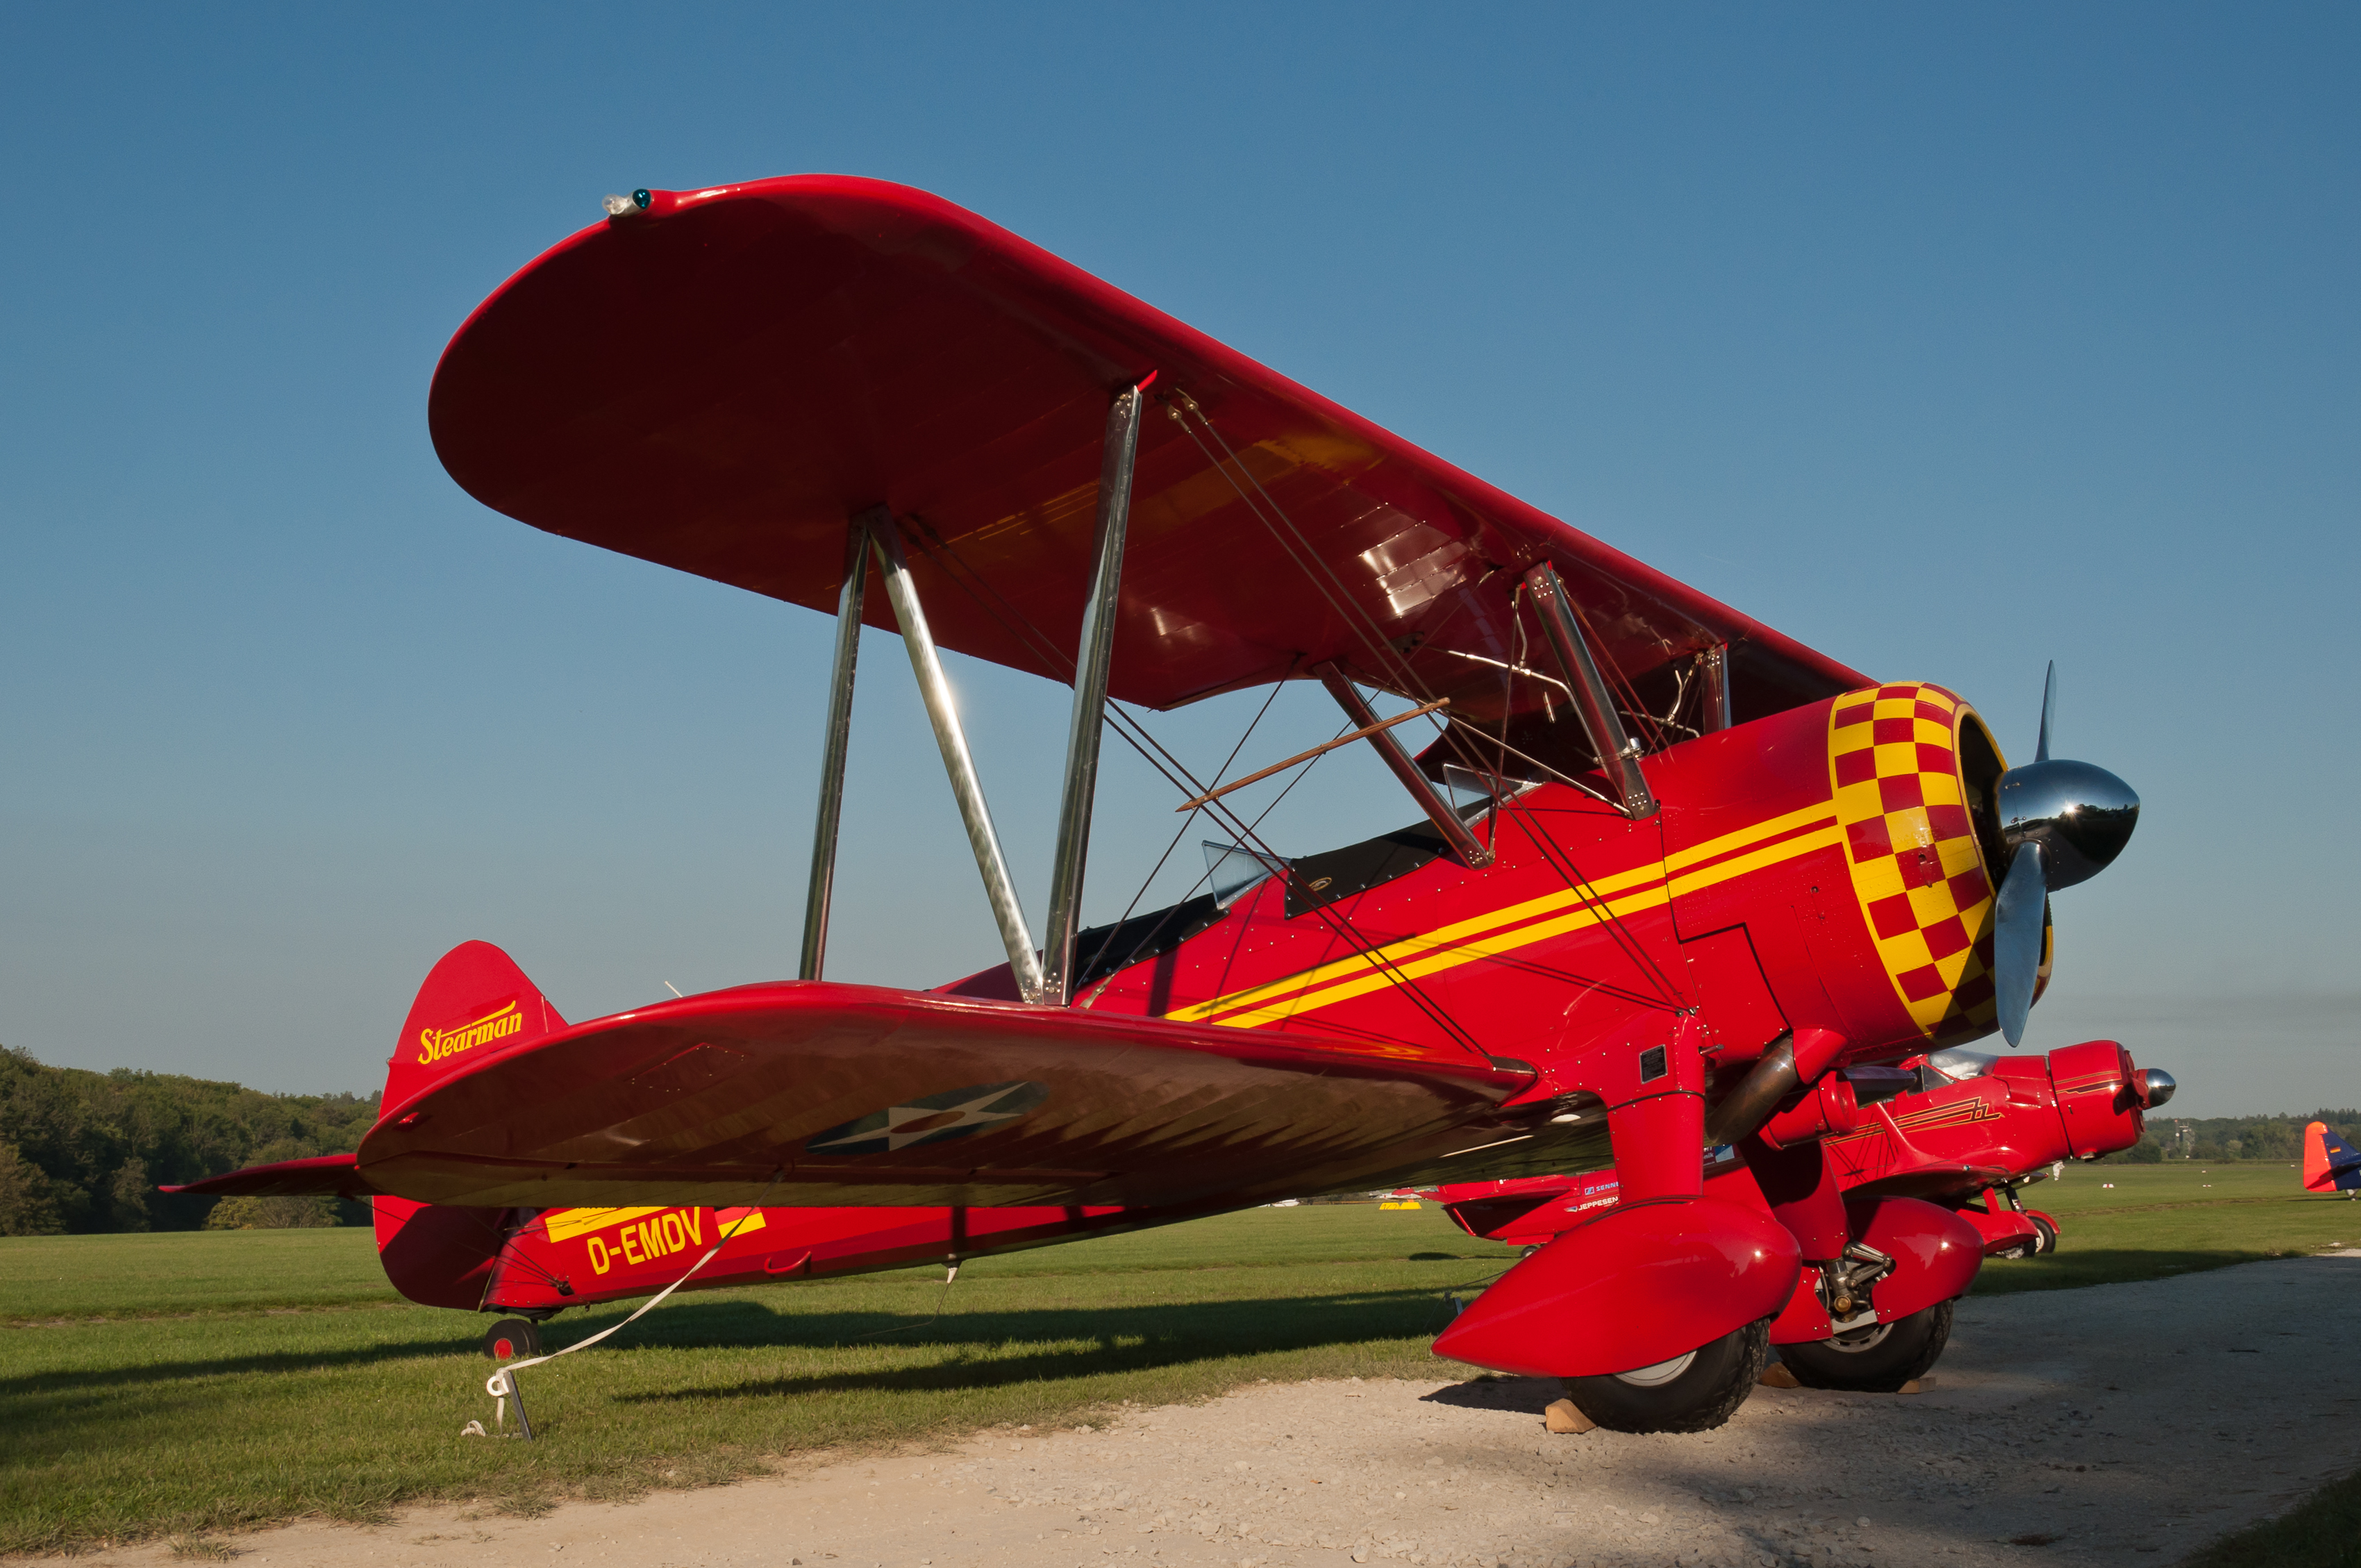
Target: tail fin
(474,998)
(2330,1163)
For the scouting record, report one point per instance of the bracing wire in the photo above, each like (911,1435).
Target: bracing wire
(1158,929)
(1186,823)
(1300,551)
(1017,624)
(1274,519)
(1388,657)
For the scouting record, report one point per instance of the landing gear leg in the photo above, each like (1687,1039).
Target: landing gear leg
(1696,1392)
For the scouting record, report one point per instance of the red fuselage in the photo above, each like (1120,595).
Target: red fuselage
(1818,875)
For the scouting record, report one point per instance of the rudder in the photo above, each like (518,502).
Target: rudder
(438,1254)
(474,999)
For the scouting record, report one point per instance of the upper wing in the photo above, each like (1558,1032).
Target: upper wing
(719,382)
(814,1094)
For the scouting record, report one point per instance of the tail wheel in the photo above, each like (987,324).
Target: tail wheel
(512,1339)
(1695,1392)
(1875,1360)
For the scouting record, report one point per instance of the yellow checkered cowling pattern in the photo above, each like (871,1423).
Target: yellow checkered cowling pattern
(1911,844)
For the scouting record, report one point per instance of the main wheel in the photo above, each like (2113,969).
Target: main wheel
(512,1339)
(1695,1392)
(1875,1360)
(2043,1239)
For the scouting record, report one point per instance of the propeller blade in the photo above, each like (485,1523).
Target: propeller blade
(2048,706)
(2017,940)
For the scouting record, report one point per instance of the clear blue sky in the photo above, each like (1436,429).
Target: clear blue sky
(1948,339)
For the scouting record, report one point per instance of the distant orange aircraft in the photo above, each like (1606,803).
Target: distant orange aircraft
(1672,872)
(2330,1163)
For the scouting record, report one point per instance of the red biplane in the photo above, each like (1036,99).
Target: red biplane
(1672,872)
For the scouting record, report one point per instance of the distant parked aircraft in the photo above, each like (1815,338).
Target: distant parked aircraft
(2330,1163)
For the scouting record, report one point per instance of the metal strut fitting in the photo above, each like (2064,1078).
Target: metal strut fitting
(1088,722)
(1617,756)
(1715,698)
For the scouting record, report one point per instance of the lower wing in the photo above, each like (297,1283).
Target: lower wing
(811,1093)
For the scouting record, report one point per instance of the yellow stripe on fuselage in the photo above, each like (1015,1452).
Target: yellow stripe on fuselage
(1497,932)
(1696,854)
(567,1223)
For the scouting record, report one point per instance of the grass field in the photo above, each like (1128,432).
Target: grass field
(157,1384)
(182,1382)
(2160,1220)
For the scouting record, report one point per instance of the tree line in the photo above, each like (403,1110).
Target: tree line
(83,1151)
(2237,1138)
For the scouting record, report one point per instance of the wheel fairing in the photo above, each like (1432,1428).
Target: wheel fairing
(1632,1289)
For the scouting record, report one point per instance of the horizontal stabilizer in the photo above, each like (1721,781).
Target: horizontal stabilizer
(327,1175)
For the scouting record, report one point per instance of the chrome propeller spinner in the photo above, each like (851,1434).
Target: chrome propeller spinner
(2062,822)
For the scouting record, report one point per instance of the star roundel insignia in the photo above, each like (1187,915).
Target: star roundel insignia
(953,1113)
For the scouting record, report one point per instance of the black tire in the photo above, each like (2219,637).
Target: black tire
(1873,1361)
(1697,1392)
(2047,1240)
(512,1339)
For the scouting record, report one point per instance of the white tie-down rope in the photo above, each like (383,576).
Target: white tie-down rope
(498,1387)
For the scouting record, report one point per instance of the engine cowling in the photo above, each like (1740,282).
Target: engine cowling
(1864,863)
(1916,773)
(2101,1097)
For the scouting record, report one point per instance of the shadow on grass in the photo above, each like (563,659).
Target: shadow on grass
(1093,1342)
(1118,1338)
(291,1361)
(2075,1267)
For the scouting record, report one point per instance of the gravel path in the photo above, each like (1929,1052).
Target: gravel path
(2123,1423)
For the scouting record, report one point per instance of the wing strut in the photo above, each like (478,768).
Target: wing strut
(1088,720)
(886,539)
(1438,810)
(1617,756)
(838,741)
